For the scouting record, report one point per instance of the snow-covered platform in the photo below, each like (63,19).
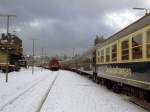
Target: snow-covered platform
(74,93)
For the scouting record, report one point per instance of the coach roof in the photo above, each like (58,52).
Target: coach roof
(139,24)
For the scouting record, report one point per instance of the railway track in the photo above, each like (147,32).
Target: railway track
(47,93)
(20,94)
(26,91)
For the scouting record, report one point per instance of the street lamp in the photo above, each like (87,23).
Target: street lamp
(145,9)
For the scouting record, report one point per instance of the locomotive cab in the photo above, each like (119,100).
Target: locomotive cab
(54,64)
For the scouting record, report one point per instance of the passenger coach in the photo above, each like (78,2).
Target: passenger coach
(121,62)
(124,59)
(130,46)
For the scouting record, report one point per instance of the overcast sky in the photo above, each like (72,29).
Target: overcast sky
(62,25)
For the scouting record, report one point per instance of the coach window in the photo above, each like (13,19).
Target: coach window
(108,54)
(97,53)
(137,47)
(125,50)
(98,60)
(102,56)
(148,44)
(114,52)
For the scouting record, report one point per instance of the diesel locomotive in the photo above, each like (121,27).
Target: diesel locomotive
(54,64)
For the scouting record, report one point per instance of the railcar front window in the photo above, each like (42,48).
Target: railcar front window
(148,44)
(114,52)
(125,50)
(98,56)
(108,54)
(102,56)
(137,47)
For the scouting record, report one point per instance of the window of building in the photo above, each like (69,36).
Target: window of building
(108,54)
(137,47)
(125,50)
(114,52)
(102,56)
(148,44)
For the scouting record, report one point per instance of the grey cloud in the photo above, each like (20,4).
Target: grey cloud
(63,24)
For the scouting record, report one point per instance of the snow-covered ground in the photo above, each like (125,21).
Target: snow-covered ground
(70,92)
(24,91)
(74,93)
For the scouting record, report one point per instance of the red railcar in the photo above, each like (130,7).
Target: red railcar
(54,64)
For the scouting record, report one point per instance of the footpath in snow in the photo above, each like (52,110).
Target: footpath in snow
(74,93)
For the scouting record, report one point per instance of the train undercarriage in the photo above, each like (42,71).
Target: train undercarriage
(142,92)
(128,90)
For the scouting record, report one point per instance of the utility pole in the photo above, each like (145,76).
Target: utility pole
(33,42)
(45,58)
(42,60)
(7,31)
(73,52)
(45,52)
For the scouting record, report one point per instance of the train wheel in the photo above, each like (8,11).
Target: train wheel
(117,88)
(108,84)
